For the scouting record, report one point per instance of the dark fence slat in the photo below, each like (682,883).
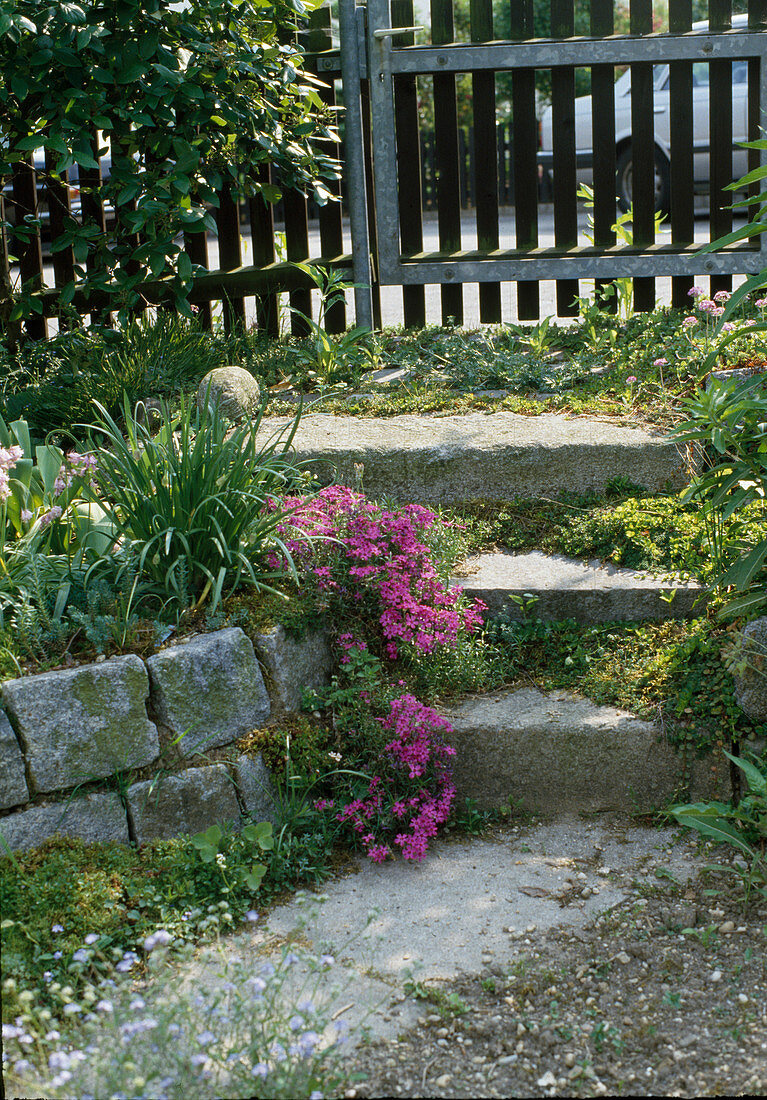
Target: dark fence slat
(93,212)
(484,148)
(720,137)
(446,141)
(409,166)
(525,160)
(329,216)
(682,167)
(29,253)
(262,242)
(603,144)
(196,247)
(297,248)
(230,255)
(565,185)
(643,152)
(57,197)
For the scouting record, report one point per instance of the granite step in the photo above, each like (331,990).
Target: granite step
(564,588)
(480,456)
(554,753)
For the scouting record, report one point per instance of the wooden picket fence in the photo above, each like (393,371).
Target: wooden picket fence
(483,167)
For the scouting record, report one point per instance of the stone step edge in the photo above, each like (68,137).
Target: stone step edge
(587,590)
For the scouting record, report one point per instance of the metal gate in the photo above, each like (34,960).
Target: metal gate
(370,45)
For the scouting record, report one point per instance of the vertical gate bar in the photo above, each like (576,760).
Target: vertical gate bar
(355,163)
(58,210)
(262,243)
(757,21)
(720,131)
(642,152)
(563,124)
(446,141)
(484,147)
(682,164)
(230,254)
(367,148)
(603,125)
(465,189)
(409,166)
(524,138)
(330,219)
(30,252)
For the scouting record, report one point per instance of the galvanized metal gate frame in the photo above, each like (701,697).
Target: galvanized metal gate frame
(382,62)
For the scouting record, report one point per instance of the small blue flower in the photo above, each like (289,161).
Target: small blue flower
(260,1070)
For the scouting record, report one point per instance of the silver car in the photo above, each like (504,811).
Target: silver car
(624,164)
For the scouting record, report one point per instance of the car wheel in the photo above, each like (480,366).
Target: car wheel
(624,176)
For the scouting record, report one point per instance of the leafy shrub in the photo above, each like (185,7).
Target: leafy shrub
(728,425)
(742,826)
(208,92)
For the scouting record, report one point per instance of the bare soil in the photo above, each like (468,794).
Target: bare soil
(664,994)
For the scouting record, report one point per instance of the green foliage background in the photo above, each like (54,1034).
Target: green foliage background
(186,99)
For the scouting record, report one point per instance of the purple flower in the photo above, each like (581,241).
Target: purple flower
(160,938)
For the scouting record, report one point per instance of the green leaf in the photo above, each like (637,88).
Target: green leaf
(757,780)
(707,821)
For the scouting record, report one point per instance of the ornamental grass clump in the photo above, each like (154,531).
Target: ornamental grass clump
(191,501)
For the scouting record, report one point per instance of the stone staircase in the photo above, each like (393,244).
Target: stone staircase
(549,752)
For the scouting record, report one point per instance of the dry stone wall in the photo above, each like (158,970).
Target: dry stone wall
(69,738)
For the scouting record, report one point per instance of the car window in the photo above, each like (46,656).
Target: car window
(740,72)
(700,74)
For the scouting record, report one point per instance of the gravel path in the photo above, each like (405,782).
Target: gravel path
(627,1004)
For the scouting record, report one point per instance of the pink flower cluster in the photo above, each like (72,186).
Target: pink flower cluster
(417,751)
(357,549)
(74,465)
(9,456)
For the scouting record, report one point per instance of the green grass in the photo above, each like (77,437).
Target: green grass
(581,368)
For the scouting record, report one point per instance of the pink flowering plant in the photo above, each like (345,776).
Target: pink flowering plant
(368,563)
(384,591)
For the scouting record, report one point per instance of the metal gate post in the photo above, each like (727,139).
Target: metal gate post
(355,163)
